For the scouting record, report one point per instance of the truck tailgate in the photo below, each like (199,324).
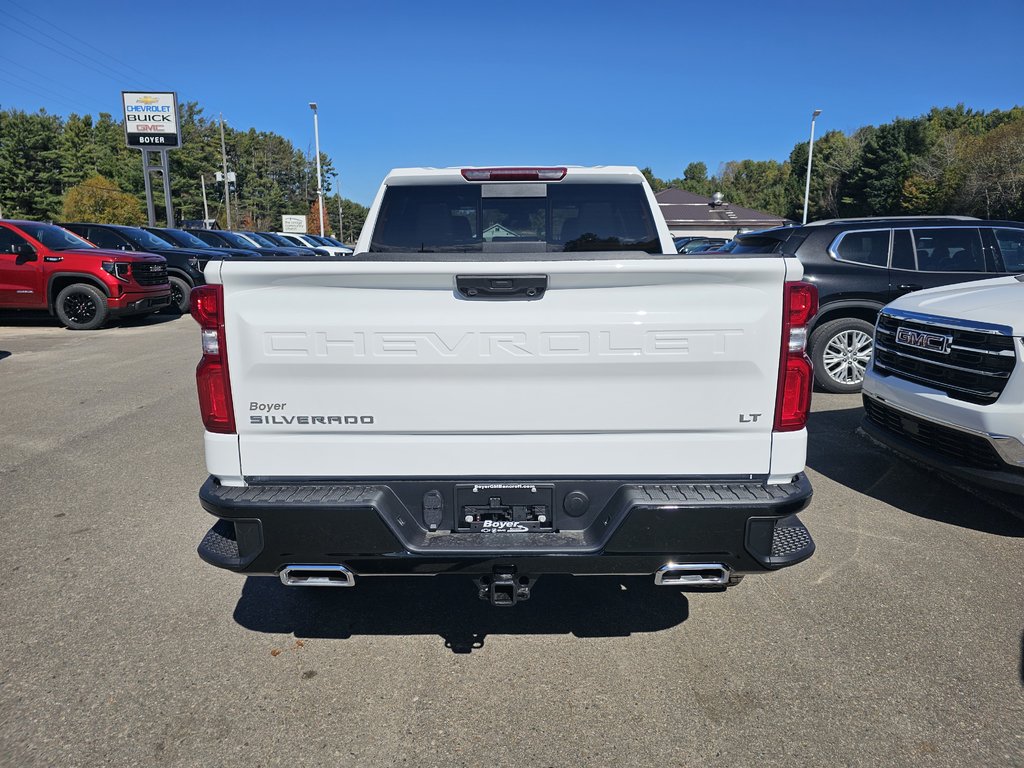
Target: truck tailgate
(656,366)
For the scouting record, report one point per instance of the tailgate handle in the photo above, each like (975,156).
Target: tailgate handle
(502,287)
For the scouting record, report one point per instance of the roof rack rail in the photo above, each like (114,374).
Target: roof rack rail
(824,222)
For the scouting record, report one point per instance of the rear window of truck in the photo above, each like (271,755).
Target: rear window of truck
(515,217)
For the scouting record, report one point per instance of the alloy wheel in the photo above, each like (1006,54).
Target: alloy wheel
(846,356)
(80,307)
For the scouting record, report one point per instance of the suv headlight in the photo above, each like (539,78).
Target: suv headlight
(120,269)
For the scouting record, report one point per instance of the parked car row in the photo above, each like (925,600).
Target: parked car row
(86,274)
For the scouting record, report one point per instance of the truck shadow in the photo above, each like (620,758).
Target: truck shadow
(836,450)
(448,606)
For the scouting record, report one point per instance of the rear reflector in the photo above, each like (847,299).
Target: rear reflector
(513,174)
(793,399)
(212,380)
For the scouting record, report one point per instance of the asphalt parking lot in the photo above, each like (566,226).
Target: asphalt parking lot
(899,643)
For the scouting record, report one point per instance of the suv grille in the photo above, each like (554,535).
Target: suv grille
(975,369)
(962,447)
(149,274)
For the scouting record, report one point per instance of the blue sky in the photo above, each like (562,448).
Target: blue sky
(458,83)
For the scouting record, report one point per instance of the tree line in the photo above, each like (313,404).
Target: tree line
(75,167)
(952,160)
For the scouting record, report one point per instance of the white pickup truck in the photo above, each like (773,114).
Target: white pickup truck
(514,375)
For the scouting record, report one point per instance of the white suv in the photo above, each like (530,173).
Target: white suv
(946,383)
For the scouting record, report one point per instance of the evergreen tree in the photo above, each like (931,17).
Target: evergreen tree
(30,184)
(77,150)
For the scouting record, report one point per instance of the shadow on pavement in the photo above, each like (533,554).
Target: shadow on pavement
(4,354)
(154,318)
(838,452)
(27,319)
(448,606)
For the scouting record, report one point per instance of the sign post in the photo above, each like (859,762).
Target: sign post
(151,126)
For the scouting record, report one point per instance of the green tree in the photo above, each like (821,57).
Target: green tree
(656,184)
(993,175)
(30,184)
(113,158)
(353,218)
(759,184)
(100,200)
(836,157)
(77,150)
(695,179)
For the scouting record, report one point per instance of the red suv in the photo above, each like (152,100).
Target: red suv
(44,267)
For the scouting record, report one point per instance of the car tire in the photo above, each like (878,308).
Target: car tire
(840,350)
(180,290)
(82,307)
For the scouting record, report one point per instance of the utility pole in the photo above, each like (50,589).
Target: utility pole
(319,178)
(206,208)
(340,219)
(224,161)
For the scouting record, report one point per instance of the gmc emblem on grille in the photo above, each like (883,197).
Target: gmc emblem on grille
(933,342)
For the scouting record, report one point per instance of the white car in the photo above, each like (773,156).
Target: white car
(945,385)
(313,241)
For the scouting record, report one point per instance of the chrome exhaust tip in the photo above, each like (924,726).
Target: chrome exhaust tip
(693,575)
(317,576)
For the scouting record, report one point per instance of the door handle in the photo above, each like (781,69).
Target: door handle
(909,287)
(502,287)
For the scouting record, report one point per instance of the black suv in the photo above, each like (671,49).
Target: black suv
(184,266)
(860,265)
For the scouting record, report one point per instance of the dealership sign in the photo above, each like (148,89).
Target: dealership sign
(151,120)
(293,224)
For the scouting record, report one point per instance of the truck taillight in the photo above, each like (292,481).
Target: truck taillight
(793,400)
(513,174)
(212,381)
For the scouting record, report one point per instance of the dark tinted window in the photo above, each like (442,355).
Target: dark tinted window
(756,245)
(104,238)
(870,247)
(233,239)
(142,238)
(8,239)
(497,217)
(903,250)
(276,239)
(262,240)
(210,238)
(183,238)
(950,249)
(53,237)
(1011,247)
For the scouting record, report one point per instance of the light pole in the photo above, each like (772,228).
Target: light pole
(810,154)
(224,162)
(319,180)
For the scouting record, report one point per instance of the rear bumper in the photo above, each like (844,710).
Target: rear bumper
(624,528)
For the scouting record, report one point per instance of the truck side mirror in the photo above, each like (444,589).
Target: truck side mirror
(24,252)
